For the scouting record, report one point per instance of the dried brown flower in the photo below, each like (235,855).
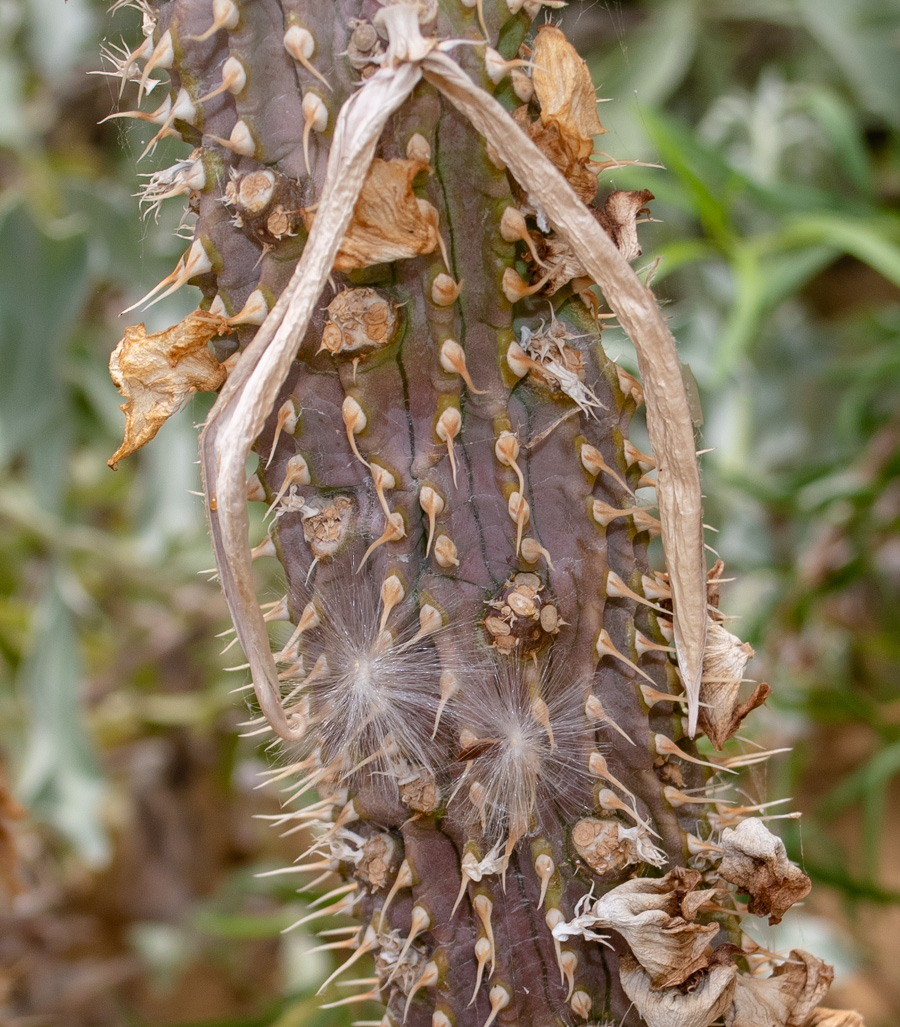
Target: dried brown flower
(158,373)
(785,999)
(389,221)
(756,861)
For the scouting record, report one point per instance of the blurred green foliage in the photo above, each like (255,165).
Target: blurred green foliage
(779,269)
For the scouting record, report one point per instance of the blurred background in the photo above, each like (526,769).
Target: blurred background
(130,837)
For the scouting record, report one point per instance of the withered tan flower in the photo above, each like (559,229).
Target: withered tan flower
(654,915)
(704,1002)
(756,861)
(786,999)
(158,373)
(389,221)
(563,86)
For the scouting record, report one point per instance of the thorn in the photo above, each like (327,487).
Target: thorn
(541,713)
(429,978)
(369,942)
(499,999)
(446,429)
(383,479)
(256,492)
(315,116)
(568,963)
(420,921)
(483,908)
(392,593)
(617,588)
(163,56)
(296,472)
(482,954)
(433,505)
(604,647)
(453,360)
(372,995)
(449,685)
(666,747)
(225,16)
(277,611)
(513,228)
(299,43)
(265,548)
(608,800)
(253,312)
(234,78)
(592,461)
(506,450)
(645,645)
(394,530)
(430,621)
(344,906)
(634,456)
(288,416)
(240,141)
(404,879)
(581,1004)
(194,262)
(444,292)
(531,551)
(545,868)
(595,711)
(519,512)
(445,552)
(676,798)
(355,421)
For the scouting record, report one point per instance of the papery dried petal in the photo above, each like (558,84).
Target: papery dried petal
(158,373)
(756,861)
(785,999)
(389,221)
(563,86)
(708,998)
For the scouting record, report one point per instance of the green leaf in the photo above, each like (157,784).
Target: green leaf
(861,37)
(43,288)
(60,778)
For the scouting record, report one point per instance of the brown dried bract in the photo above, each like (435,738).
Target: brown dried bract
(563,86)
(708,997)
(378,860)
(389,221)
(607,845)
(786,999)
(619,218)
(359,319)
(724,662)
(325,526)
(580,177)
(655,917)
(523,620)
(158,373)
(756,861)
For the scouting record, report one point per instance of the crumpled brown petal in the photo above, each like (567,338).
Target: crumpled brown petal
(389,221)
(158,373)
(724,662)
(705,1001)
(619,218)
(563,86)
(653,915)
(756,861)
(785,999)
